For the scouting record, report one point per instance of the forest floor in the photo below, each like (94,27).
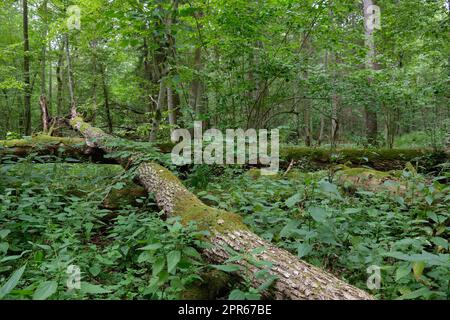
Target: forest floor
(57,215)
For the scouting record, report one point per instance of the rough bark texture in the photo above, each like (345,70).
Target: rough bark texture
(49,149)
(296,279)
(44,113)
(370,112)
(26,70)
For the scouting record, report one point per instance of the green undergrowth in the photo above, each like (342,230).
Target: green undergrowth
(52,217)
(53,223)
(406,237)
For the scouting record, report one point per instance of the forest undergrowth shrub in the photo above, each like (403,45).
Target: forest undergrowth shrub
(51,218)
(406,236)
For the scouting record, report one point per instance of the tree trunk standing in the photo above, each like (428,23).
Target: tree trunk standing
(334,120)
(59,81)
(44,114)
(196,92)
(94,79)
(43,102)
(7,116)
(26,70)
(295,279)
(307,122)
(106,100)
(50,83)
(370,112)
(321,131)
(44,50)
(70,76)
(158,112)
(196,88)
(172,95)
(172,108)
(149,75)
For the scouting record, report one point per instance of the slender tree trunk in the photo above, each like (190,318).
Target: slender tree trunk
(370,111)
(196,89)
(106,100)
(50,83)
(59,81)
(195,96)
(307,122)
(334,119)
(26,70)
(44,50)
(44,114)
(321,131)
(70,76)
(171,107)
(158,113)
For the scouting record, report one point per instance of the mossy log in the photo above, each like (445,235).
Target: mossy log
(296,279)
(378,159)
(44,145)
(370,180)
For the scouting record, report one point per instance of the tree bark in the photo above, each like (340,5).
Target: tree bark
(106,100)
(70,76)
(44,113)
(295,279)
(26,70)
(172,107)
(369,111)
(334,120)
(158,113)
(59,80)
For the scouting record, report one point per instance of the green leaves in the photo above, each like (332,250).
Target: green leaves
(152,246)
(317,213)
(429,258)
(330,189)
(418,268)
(4,233)
(45,290)
(12,282)
(227,267)
(303,250)
(238,294)
(402,271)
(293,200)
(173,258)
(158,265)
(90,288)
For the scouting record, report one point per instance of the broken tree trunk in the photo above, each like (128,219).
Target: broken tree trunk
(296,279)
(46,148)
(44,114)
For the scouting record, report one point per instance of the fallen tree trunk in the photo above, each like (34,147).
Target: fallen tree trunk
(46,145)
(296,279)
(370,180)
(378,159)
(43,145)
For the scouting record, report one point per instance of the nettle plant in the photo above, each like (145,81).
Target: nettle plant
(50,221)
(406,236)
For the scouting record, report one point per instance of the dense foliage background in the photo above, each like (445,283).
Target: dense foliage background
(140,68)
(299,65)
